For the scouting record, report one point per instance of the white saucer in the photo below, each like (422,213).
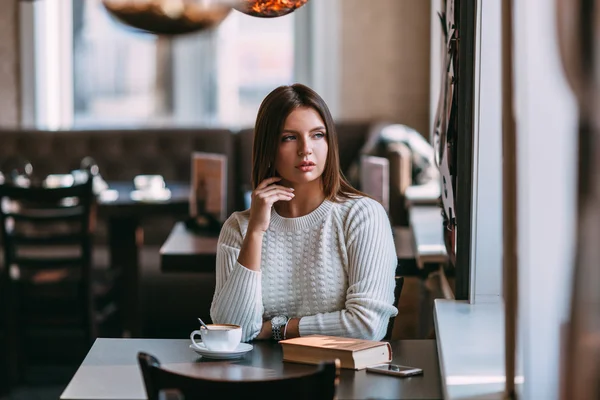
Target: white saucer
(239,351)
(151,196)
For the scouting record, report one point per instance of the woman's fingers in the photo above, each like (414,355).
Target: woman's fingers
(274,187)
(275,194)
(281,196)
(267,182)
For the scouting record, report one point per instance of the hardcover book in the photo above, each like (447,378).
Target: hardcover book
(352,353)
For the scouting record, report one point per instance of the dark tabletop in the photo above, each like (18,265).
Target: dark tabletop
(124,205)
(110,370)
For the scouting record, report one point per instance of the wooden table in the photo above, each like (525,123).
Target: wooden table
(110,370)
(123,217)
(185,251)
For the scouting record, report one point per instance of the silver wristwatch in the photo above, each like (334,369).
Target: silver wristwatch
(277,323)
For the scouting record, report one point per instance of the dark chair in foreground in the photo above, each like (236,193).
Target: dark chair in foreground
(55,301)
(321,383)
(397,292)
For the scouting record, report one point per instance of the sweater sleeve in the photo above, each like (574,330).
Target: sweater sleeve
(238,291)
(372,262)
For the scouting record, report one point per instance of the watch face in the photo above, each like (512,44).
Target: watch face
(279,320)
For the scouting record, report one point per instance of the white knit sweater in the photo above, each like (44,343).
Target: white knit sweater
(334,268)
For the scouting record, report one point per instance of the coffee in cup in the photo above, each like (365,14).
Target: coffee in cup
(218,337)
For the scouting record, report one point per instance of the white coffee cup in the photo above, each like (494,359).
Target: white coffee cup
(150,183)
(219,337)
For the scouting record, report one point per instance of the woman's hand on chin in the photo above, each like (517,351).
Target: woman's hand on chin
(263,198)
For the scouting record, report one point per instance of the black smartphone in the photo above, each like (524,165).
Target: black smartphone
(394,369)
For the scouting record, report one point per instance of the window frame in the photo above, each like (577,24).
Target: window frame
(46,64)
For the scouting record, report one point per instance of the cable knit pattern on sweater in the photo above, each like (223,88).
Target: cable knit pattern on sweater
(334,268)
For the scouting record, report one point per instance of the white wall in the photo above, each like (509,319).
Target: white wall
(384,61)
(546,140)
(486,223)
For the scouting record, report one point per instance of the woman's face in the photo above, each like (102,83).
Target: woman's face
(302,151)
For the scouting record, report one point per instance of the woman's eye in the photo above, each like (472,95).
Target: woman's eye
(287,138)
(319,135)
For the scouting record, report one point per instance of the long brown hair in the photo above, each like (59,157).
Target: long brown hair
(273,112)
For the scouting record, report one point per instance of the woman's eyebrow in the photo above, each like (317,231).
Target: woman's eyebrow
(318,128)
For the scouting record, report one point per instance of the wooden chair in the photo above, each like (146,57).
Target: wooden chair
(54,299)
(397,292)
(321,383)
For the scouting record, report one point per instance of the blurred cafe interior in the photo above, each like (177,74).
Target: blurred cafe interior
(473,122)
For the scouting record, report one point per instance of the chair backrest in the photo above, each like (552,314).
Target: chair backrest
(40,217)
(397,292)
(47,232)
(321,383)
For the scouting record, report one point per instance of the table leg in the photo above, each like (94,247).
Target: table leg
(125,242)
(434,285)
(430,290)
(425,312)
(11,358)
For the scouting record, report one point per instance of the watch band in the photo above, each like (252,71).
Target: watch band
(277,323)
(277,332)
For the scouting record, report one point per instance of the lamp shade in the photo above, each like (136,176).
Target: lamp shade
(269,8)
(169,17)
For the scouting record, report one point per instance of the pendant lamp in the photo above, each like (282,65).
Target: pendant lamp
(169,17)
(269,8)
(178,17)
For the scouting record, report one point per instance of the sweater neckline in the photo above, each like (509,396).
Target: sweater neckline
(279,223)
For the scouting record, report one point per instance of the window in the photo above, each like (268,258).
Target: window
(217,77)
(114,71)
(79,68)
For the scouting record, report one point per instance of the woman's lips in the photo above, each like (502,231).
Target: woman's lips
(306,167)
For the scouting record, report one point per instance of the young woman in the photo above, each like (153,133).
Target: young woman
(312,255)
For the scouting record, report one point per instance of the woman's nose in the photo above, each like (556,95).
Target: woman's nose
(305,152)
(304,149)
